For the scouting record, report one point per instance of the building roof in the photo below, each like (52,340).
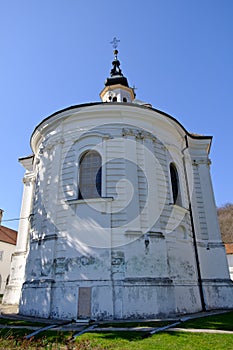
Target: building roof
(193,136)
(116,74)
(8,235)
(229,248)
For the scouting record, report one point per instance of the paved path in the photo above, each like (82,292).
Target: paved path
(196,330)
(121,329)
(11,312)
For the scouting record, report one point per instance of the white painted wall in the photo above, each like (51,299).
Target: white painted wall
(100,244)
(6,251)
(230,264)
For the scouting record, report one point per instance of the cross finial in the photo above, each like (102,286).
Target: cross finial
(115,42)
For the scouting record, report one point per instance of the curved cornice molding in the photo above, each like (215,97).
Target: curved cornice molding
(89,134)
(118,107)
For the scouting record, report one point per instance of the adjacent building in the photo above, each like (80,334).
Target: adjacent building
(8,239)
(229,252)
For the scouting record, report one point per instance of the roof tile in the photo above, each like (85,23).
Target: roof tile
(8,235)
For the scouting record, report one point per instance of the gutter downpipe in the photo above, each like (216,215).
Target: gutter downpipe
(194,233)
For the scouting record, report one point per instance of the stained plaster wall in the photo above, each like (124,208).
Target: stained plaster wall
(101,244)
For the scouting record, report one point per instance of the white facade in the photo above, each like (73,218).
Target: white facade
(132,252)
(230,264)
(229,251)
(6,251)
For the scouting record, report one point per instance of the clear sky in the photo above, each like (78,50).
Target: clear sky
(57,53)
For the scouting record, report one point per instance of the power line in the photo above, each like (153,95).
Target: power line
(15,219)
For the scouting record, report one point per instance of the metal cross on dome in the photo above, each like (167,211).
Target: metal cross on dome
(114,42)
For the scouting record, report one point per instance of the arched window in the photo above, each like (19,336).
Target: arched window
(90,175)
(175,184)
(114,99)
(7,280)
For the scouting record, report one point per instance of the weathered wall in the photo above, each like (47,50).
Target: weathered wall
(132,252)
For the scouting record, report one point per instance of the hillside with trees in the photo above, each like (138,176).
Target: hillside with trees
(225,217)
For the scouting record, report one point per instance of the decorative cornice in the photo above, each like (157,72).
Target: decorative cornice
(48,145)
(138,134)
(215,245)
(89,200)
(67,112)
(87,134)
(149,280)
(197,162)
(39,282)
(155,234)
(28,179)
(217,281)
(210,245)
(133,233)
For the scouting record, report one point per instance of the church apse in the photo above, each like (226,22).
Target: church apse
(120,225)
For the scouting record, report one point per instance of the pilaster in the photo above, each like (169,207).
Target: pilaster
(13,290)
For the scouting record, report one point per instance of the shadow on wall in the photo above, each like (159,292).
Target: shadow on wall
(64,256)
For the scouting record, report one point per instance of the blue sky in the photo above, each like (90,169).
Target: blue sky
(57,53)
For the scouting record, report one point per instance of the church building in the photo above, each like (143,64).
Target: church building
(121,215)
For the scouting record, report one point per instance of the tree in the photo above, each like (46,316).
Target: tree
(225,217)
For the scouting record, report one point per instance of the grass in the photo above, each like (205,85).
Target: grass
(14,339)
(11,322)
(128,340)
(123,341)
(222,322)
(165,341)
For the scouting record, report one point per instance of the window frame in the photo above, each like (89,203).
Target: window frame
(82,176)
(175,184)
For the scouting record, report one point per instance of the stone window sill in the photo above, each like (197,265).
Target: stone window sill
(89,200)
